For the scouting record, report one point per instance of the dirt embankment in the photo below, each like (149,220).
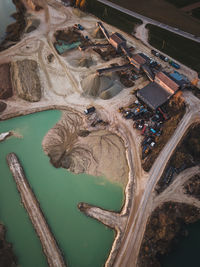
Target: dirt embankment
(100,153)
(5,81)
(7,257)
(164,226)
(32,206)
(25,80)
(3,106)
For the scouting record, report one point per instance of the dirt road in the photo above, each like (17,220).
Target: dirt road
(141,209)
(50,248)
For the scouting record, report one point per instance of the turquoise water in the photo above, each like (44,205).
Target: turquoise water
(186,253)
(63,46)
(84,241)
(7,8)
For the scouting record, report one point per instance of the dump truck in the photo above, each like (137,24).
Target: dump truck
(175,65)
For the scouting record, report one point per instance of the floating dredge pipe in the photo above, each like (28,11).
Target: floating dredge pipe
(49,245)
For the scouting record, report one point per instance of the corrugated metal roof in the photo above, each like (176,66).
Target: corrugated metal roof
(117,38)
(138,59)
(153,95)
(167,80)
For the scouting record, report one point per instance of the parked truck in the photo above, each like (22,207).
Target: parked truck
(175,65)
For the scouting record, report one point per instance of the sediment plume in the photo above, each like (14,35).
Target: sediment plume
(49,245)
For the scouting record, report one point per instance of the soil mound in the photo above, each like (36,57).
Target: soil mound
(3,106)
(85,62)
(25,80)
(97,33)
(98,153)
(103,86)
(112,91)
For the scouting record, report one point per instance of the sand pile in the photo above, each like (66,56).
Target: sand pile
(97,33)
(112,91)
(98,153)
(104,86)
(77,12)
(85,62)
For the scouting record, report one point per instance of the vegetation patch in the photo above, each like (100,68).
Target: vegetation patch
(112,16)
(192,187)
(182,3)
(186,155)
(182,49)
(164,228)
(163,11)
(196,13)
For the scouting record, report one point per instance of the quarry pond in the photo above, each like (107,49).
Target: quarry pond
(7,8)
(83,241)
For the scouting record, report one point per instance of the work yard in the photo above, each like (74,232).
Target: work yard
(165,12)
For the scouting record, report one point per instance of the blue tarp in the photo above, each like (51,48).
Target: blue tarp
(177,76)
(62,46)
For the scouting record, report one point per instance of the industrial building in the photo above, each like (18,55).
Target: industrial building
(162,79)
(158,92)
(137,61)
(117,40)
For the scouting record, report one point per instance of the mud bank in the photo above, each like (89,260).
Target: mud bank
(164,227)
(15,30)
(7,257)
(49,245)
(90,153)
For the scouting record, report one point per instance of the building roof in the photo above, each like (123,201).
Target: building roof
(139,59)
(179,78)
(153,95)
(117,38)
(163,77)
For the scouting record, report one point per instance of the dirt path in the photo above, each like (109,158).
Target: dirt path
(175,191)
(142,33)
(141,209)
(50,248)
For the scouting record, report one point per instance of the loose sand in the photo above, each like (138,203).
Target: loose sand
(91,154)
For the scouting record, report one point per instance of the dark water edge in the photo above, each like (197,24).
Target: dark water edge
(14,31)
(185,251)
